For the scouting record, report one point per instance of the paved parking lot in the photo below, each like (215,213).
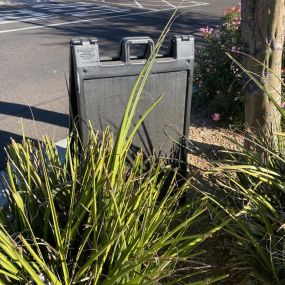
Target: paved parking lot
(34,51)
(59,14)
(54,14)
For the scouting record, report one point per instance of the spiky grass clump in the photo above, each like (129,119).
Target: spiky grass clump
(71,225)
(252,195)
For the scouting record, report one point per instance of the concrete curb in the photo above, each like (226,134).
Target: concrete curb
(3,189)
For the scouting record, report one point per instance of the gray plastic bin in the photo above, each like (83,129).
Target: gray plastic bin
(100,88)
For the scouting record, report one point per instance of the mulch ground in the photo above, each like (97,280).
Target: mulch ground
(209,141)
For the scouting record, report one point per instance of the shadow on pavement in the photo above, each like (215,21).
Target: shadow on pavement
(33,113)
(26,112)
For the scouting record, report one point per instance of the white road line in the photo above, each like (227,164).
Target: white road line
(123,4)
(95,9)
(91,20)
(192,3)
(110,7)
(86,14)
(23,20)
(83,11)
(32,16)
(138,4)
(166,2)
(197,3)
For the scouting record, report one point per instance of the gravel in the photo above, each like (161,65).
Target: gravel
(208,141)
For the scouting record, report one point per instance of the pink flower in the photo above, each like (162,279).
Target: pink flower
(282,105)
(216,117)
(207,31)
(234,9)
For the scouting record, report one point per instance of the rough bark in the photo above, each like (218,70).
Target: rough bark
(262,28)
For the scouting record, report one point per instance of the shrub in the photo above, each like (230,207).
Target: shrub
(253,197)
(218,82)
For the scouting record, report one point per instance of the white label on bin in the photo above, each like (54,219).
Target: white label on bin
(86,56)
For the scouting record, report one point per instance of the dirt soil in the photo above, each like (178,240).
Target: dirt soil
(209,140)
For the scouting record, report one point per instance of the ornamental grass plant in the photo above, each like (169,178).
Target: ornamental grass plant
(251,192)
(95,219)
(71,224)
(250,189)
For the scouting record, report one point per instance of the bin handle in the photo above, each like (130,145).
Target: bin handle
(126,43)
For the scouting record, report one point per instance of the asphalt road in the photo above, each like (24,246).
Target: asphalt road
(34,52)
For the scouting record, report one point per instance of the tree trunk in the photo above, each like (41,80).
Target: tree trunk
(262,28)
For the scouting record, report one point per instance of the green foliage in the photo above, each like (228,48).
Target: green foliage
(93,218)
(218,81)
(71,225)
(253,198)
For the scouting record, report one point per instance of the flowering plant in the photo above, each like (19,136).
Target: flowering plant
(218,82)
(207,32)
(216,117)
